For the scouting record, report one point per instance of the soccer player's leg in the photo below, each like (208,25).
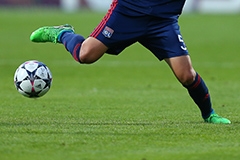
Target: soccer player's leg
(169,45)
(93,49)
(197,89)
(82,50)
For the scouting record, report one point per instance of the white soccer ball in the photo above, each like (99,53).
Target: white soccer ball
(33,79)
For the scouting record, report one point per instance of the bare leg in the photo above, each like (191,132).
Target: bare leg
(182,68)
(197,89)
(83,50)
(92,49)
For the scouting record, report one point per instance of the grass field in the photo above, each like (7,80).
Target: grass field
(126,107)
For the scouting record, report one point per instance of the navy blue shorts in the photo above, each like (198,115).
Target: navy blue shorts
(122,27)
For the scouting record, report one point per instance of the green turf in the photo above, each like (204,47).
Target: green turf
(126,107)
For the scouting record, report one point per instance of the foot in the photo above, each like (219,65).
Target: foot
(216,119)
(50,33)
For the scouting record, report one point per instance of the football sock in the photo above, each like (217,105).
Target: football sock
(72,43)
(200,95)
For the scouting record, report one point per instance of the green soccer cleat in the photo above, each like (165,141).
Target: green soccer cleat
(50,33)
(216,119)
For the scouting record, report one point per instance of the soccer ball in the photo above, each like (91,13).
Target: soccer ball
(33,79)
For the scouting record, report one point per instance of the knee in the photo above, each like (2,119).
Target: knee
(90,53)
(187,78)
(86,55)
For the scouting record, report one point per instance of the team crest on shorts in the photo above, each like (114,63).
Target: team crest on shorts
(108,32)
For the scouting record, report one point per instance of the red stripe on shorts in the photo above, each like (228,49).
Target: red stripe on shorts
(98,29)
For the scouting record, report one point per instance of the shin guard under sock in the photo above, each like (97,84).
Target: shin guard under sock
(200,95)
(72,43)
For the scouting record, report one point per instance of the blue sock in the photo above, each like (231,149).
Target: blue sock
(72,43)
(200,95)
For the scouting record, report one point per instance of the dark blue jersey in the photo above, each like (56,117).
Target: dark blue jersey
(159,8)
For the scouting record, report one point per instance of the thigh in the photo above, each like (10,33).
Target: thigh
(164,39)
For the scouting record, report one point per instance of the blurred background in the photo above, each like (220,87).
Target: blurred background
(202,6)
